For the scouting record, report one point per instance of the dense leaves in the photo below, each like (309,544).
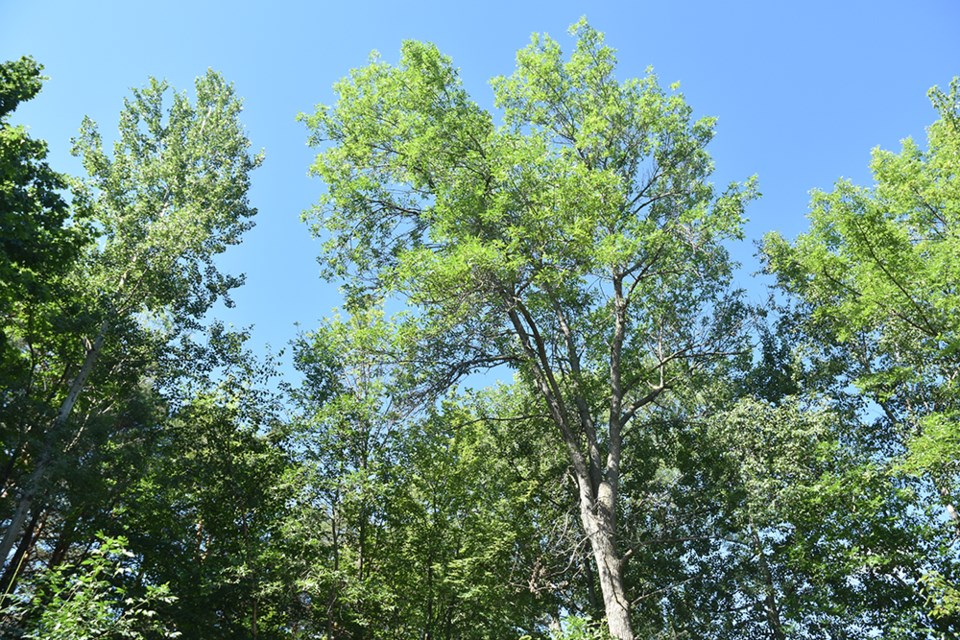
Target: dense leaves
(580,243)
(544,412)
(36,243)
(878,272)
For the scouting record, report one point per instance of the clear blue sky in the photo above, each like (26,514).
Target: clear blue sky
(802,90)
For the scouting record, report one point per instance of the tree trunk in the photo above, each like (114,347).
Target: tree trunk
(35,481)
(597,486)
(64,540)
(599,525)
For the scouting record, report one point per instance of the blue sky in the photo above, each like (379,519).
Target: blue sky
(803,91)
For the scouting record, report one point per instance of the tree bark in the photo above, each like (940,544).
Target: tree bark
(600,521)
(64,540)
(600,527)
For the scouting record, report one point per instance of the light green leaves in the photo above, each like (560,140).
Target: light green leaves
(878,272)
(172,195)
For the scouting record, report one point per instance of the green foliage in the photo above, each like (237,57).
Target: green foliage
(420,524)
(538,206)
(879,266)
(36,244)
(754,513)
(579,243)
(578,628)
(943,596)
(205,508)
(640,455)
(839,545)
(94,599)
(170,197)
(877,275)
(98,369)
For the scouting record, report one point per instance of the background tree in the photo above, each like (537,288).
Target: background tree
(878,271)
(205,513)
(37,249)
(581,243)
(761,508)
(430,524)
(170,197)
(37,243)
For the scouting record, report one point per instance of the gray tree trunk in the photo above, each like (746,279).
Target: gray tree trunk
(599,523)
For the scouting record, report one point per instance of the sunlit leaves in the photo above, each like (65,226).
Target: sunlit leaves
(170,196)
(878,273)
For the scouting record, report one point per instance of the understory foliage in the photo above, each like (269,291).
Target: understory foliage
(91,600)
(545,410)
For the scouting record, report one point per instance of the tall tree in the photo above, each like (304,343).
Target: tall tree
(580,243)
(37,248)
(170,197)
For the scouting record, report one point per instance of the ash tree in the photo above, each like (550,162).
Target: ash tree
(579,243)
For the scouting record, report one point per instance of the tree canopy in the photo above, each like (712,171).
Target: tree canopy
(580,242)
(546,410)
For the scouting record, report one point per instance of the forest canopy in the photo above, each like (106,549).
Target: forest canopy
(546,409)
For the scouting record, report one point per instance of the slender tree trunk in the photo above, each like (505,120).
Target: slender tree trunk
(23,508)
(598,486)
(35,481)
(428,626)
(596,604)
(770,600)
(334,539)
